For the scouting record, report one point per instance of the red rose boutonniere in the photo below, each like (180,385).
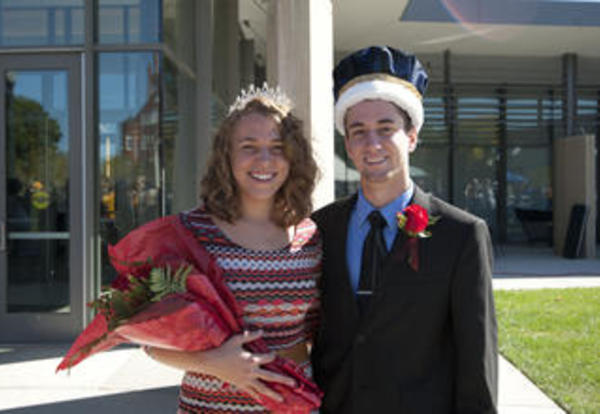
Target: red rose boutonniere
(413,221)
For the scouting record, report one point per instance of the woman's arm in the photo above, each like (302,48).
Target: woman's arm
(230,362)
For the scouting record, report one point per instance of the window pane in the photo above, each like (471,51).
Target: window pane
(477,120)
(434,129)
(588,111)
(38,276)
(532,116)
(37,154)
(528,187)
(475,185)
(129,21)
(129,148)
(429,169)
(41,23)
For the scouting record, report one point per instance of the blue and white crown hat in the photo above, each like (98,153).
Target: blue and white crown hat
(380,72)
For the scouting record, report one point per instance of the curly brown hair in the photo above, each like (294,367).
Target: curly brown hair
(219,193)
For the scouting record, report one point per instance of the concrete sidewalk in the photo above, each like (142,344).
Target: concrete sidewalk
(125,380)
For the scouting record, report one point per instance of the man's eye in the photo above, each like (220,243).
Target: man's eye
(359,133)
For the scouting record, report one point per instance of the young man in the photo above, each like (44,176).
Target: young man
(408,322)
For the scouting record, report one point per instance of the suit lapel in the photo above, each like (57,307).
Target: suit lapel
(337,247)
(397,257)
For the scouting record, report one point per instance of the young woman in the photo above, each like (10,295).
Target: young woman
(256,195)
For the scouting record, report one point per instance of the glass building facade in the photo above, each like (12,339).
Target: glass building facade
(107,108)
(487,142)
(100,135)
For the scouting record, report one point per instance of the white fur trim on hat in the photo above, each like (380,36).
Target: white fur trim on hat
(396,93)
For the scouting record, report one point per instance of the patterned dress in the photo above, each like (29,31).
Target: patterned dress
(277,292)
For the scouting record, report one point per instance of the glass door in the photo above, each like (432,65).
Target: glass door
(41,277)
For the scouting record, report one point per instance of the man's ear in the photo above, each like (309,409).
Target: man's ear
(346,144)
(413,139)
(348,148)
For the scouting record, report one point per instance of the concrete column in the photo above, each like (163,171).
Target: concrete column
(574,183)
(300,61)
(185,165)
(246,62)
(226,51)
(204,81)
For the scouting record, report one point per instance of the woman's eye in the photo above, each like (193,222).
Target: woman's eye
(277,150)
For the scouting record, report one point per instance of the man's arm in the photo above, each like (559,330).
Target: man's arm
(474,323)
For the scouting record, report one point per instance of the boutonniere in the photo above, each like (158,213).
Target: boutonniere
(414,221)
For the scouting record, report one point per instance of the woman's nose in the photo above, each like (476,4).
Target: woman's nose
(264,154)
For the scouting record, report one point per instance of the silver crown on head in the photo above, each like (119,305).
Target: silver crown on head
(275,97)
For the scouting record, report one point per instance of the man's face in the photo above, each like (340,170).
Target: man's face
(377,142)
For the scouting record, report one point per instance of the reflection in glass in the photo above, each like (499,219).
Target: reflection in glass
(134,21)
(429,169)
(528,185)
(38,275)
(131,166)
(477,120)
(435,128)
(588,111)
(37,153)
(532,120)
(41,23)
(475,184)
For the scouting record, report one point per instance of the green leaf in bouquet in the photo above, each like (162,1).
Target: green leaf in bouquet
(119,305)
(163,281)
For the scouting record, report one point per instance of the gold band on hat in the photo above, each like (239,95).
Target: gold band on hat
(382,77)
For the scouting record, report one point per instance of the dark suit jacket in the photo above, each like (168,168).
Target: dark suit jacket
(427,343)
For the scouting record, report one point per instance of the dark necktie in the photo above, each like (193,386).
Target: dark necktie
(373,254)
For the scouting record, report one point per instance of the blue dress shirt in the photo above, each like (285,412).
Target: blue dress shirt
(359,226)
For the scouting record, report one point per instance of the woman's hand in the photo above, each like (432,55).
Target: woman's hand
(232,363)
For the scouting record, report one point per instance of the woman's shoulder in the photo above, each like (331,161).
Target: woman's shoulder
(306,235)
(199,221)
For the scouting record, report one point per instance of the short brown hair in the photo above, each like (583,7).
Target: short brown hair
(219,192)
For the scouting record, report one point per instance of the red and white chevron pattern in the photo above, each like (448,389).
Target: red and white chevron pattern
(277,290)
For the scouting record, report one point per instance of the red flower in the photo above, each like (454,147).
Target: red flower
(413,221)
(417,218)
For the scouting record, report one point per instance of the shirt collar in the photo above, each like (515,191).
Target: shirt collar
(389,211)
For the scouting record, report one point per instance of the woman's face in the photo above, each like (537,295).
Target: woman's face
(258,161)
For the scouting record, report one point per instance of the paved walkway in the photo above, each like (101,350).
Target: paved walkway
(125,380)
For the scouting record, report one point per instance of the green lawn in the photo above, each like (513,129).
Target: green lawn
(553,336)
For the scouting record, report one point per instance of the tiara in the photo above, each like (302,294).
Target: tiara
(276,97)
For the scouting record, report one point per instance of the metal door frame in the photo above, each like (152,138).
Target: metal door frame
(34,326)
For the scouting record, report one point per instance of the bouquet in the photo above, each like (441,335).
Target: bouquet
(170,294)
